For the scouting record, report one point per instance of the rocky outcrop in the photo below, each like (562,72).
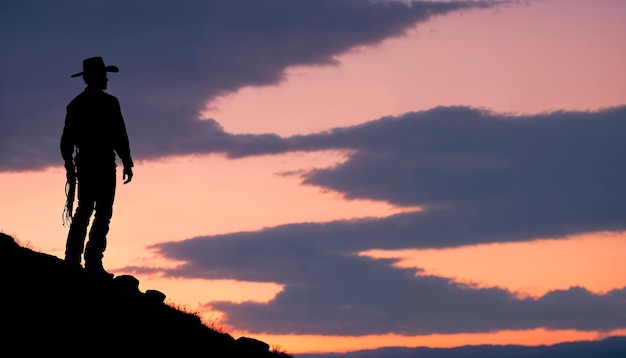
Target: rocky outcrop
(48,307)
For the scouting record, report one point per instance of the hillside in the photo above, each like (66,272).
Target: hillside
(47,307)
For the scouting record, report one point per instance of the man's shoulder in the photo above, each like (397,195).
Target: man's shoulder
(92,96)
(109,97)
(79,97)
(76,101)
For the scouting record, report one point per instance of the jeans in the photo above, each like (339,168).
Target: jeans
(96,191)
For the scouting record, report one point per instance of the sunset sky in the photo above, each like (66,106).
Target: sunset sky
(334,175)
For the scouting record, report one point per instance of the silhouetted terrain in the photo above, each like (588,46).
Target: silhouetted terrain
(50,308)
(614,347)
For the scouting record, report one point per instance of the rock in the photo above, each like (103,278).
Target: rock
(251,346)
(155,296)
(127,284)
(47,300)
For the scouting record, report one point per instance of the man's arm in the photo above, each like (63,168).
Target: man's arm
(122,144)
(67,143)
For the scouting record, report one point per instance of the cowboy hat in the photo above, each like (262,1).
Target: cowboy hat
(95,65)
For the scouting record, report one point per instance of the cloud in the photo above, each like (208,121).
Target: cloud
(481,176)
(333,293)
(453,155)
(562,170)
(173,57)
(425,306)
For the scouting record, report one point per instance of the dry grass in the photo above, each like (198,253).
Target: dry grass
(212,322)
(25,244)
(279,351)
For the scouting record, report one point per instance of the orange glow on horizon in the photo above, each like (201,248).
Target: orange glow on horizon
(295,344)
(181,198)
(594,261)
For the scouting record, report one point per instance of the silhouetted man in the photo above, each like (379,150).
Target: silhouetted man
(95,128)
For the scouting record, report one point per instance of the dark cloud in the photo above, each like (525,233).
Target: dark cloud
(329,292)
(553,174)
(173,57)
(424,306)
(482,177)
(455,155)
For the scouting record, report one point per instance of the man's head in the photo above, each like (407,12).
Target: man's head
(95,72)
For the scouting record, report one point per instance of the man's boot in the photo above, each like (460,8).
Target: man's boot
(93,254)
(95,268)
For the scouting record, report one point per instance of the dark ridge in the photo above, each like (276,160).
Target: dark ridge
(49,308)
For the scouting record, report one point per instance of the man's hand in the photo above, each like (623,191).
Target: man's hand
(128,174)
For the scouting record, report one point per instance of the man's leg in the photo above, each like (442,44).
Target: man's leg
(100,228)
(78,229)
